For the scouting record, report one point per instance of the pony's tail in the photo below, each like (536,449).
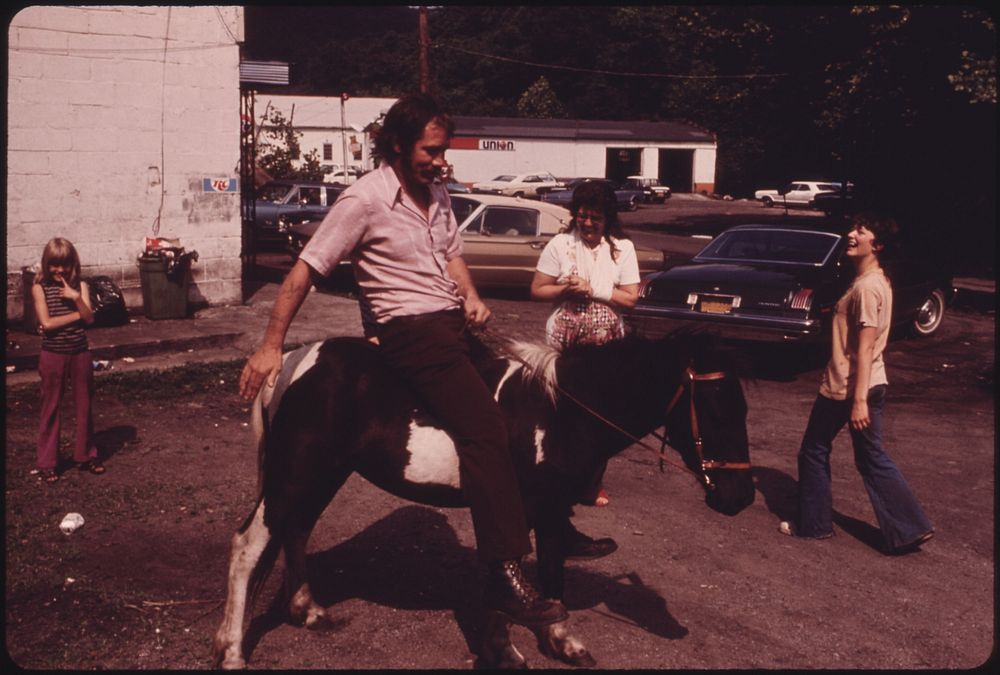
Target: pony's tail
(260,426)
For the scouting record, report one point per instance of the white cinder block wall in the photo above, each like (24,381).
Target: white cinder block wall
(115,116)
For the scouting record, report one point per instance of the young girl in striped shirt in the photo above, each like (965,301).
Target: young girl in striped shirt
(62,305)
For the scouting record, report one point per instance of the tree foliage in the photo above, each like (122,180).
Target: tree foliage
(540,102)
(278,146)
(901,99)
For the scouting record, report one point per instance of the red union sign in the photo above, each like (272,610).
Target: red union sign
(481,144)
(485,144)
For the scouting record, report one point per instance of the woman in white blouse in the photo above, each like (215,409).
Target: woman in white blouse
(589,272)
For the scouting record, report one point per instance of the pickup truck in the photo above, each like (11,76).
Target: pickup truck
(651,188)
(287,201)
(796,193)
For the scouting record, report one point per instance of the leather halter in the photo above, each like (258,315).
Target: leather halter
(706,464)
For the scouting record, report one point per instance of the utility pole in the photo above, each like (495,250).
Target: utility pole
(343,133)
(424,42)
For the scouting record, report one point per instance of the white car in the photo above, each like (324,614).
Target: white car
(531,184)
(334,173)
(796,193)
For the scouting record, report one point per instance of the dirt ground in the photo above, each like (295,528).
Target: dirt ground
(141,584)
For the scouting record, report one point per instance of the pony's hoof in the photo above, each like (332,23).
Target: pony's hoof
(582,660)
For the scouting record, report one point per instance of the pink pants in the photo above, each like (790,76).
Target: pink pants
(54,370)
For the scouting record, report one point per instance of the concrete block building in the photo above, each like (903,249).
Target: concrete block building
(123,122)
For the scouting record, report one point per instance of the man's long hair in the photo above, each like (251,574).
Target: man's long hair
(404,125)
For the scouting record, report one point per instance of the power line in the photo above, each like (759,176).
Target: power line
(65,51)
(597,71)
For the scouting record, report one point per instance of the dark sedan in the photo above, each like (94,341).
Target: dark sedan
(627,198)
(280,203)
(771,283)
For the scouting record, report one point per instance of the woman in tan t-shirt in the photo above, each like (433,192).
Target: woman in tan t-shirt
(853,391)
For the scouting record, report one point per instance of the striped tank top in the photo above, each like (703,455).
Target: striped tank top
(71,339)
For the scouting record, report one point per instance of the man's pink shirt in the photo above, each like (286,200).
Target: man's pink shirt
(400,258)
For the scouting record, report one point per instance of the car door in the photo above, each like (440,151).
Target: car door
(502,244)
(531,185)
(798,193)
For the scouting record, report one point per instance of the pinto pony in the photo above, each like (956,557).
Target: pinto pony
(336,409)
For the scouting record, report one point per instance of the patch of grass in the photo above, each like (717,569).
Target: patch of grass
(165,384)
(151,384)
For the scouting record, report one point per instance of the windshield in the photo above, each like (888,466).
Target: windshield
(504,179)
(772,246)
(273,192)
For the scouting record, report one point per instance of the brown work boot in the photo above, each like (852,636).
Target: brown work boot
(513,596)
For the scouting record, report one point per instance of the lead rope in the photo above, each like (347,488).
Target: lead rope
(661,452)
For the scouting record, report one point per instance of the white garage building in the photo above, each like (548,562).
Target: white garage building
(681,155)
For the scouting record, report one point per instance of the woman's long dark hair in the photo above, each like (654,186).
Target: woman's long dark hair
(599,196)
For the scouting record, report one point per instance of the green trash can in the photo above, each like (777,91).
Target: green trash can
(164,296)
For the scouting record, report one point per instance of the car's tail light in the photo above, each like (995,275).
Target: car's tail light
(802,299)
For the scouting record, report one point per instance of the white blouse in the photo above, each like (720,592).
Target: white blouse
(567,254)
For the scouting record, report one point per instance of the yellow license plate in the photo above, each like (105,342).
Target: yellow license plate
(716,306)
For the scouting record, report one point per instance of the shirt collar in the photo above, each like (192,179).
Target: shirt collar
(393,188)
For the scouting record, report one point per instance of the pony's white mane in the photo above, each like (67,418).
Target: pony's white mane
(539,365)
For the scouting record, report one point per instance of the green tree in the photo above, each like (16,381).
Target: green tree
(540,102)
(278,149)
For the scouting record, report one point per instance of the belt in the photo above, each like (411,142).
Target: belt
(420,318)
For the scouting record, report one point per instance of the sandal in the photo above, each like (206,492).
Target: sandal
(48,476)
(94,466)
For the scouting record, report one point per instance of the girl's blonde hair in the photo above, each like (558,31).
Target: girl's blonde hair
(60,251)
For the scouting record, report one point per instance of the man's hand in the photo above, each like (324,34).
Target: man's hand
(263,365)
(266,361)
(476,311)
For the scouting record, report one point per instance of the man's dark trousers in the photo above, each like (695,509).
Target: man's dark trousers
(431,354)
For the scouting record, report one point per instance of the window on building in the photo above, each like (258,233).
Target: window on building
(327,152)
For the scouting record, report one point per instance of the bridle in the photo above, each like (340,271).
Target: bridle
(691,376)
(706,464)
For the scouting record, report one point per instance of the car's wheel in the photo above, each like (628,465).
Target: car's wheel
(632,204)
(768,202)
(930,314)
(519,194)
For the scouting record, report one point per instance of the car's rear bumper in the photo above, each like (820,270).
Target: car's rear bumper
(656,321)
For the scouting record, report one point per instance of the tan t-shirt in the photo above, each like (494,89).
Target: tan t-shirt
(868,302)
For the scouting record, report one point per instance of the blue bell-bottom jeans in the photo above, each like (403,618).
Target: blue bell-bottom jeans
(899,515)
